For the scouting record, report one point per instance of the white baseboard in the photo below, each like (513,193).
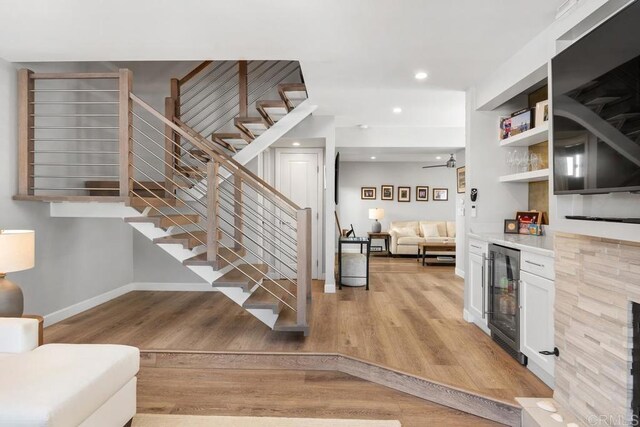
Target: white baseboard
(467,316)
(77,308)
(459,272)
(329,288)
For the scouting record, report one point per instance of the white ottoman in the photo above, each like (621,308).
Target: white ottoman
(61,385)
(354,265)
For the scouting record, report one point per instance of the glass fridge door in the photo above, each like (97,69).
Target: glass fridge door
(504,293)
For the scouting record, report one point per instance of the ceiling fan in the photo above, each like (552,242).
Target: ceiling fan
(451,163)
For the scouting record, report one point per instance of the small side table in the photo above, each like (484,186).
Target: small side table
(362,242)
(40,320)
(383,235)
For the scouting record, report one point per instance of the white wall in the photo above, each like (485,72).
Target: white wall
(354,175)
(76,259)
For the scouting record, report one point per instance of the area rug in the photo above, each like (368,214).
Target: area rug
(153,420)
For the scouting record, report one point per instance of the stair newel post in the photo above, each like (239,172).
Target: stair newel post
(169,146)
(237,210)
(213,167)
(243,89)
(125,123)
(26,121)
(303,294)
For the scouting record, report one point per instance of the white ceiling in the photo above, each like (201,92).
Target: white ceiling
(426,155)
(358,56)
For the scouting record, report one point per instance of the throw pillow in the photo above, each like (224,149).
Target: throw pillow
(405,231)
(430,230)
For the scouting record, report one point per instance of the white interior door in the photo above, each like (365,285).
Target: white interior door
(298,178)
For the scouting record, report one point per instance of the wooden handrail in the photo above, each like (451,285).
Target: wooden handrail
(194,72)
(66,76)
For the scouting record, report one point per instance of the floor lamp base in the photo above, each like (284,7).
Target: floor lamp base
(11,300)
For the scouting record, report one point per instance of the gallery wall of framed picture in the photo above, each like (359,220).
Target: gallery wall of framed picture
(403,193)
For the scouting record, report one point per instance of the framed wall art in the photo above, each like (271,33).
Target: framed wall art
(440,194)
(386,192)
(422,194)
(404,194)
(368,193)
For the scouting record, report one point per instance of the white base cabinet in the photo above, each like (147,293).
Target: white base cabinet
(477,284)
(537,296)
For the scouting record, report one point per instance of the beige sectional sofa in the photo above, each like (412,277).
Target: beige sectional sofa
(405,235)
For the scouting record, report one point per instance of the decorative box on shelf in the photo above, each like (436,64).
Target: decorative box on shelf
(531,137)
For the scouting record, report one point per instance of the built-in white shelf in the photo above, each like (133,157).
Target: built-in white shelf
(532,176)
(531,137)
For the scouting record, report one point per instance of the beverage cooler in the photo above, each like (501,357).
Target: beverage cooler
(504,299)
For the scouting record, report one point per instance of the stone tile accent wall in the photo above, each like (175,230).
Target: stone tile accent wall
(596,280)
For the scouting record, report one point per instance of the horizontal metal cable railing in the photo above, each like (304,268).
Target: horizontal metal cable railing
(226,196)
(86,136)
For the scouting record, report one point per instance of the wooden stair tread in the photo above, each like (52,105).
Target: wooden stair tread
(227,256)
(188,240)
(145,202)
(261,299)
(292,93)
(166,221)
(252,127)
(272,110)
(245,275)
(287,322)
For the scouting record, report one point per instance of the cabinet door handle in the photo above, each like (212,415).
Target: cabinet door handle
(534,263)
(477,247)
(555,352)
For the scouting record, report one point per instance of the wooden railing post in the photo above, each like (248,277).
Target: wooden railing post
(125,120)
(304,245)
(213,168)
(25,131)
(237,210)
(243,89)
(171,150)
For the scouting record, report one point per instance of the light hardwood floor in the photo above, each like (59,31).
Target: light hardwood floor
(278,393)
(410,320)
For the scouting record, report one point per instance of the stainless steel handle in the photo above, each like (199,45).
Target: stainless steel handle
(484,260)
(534,263)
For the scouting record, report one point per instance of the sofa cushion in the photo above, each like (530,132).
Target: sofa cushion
(429,230)
(406,232)
(442,226)
(395,225)
(451,229)
(62,384)
(410,240)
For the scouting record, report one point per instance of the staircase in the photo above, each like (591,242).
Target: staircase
(176,172)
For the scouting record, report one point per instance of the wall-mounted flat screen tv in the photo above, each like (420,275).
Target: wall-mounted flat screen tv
(596,109)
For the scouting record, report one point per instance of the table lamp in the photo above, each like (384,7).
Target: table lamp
(376,213)
(17,253)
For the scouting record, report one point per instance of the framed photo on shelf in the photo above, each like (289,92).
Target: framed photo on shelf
(461,179)
(542,112)
(404,194)
(422,194)
(511,226)
(368,193)
(521,121)
(386,192)
(505,127)
(440,194)
(527,218)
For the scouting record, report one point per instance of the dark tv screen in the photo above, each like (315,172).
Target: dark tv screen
(596,109)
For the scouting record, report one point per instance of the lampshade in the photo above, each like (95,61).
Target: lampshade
(17,250)
(376,213)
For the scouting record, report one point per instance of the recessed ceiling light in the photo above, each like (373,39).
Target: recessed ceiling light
(397,110)
(373,157)
(363,126)
(438,157)
(296,144)
(421,75)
